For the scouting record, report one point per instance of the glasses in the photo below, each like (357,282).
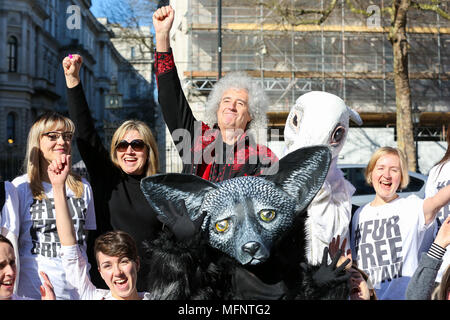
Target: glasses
(54,135)
(136,145)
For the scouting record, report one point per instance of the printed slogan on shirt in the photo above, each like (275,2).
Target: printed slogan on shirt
(445,211)
(379,249)
(43,231)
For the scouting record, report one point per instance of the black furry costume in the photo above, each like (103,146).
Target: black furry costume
(192,269)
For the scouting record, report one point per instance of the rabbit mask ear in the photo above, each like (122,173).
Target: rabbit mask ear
(355,117)
(173,187)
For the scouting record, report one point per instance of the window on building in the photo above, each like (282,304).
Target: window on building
(132,53)
(12,54)
(11,128)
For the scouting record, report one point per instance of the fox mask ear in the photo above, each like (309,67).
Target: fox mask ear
(173,187)
(302,173)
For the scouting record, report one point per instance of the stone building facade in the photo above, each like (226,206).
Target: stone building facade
(35,35)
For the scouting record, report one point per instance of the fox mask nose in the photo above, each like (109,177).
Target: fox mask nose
(251,247)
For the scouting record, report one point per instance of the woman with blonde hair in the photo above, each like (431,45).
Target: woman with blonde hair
(115,175)
(386,233)
(39,248)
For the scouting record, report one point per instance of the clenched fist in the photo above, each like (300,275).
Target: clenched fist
(72,65)
(162,22)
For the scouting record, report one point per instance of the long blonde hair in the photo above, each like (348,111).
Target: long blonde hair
(34,159)
(152,164)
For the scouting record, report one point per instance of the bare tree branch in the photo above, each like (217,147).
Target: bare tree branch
(354,9)
(294,16)
(128,18)
(434,6)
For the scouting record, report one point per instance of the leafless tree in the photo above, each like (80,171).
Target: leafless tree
(294,12)
(128,17)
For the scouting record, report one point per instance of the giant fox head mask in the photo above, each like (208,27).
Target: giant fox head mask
(246,215)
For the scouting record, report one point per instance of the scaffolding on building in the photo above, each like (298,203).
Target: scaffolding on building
(345,55)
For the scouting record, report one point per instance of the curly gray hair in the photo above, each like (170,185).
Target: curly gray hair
(257,99)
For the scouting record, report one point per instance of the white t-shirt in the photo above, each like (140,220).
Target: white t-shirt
(437,179)
(76,269)
(9,216)
(39,245)
(9,222)
(385,241)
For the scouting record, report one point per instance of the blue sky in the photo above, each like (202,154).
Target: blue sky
(116,10)
(96,9)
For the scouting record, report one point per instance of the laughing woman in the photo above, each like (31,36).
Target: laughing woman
(115,251)
(50,136)
(115,175)
(386,233)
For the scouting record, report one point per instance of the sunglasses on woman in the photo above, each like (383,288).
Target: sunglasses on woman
(54,135)
(136,145)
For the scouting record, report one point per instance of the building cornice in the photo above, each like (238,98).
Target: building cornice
(445,76)
(267,27)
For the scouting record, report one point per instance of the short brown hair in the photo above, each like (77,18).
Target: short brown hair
(382,152)
(116,244)
(373,294)
(5,240)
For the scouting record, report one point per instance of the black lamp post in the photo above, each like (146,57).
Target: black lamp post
(415,115)
(219,39)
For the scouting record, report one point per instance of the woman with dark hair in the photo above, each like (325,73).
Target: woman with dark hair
(439,177)
(39,247)
(115,251)
(115,176)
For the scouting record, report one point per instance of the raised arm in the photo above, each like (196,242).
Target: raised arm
(74,264)
(57,173)
(162,22)
(90,145)
(174,106)
(432,205)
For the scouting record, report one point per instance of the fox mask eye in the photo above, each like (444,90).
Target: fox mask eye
(222,226)
(267,215)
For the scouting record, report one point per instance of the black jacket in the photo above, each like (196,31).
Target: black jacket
(245,157)
(118,199)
